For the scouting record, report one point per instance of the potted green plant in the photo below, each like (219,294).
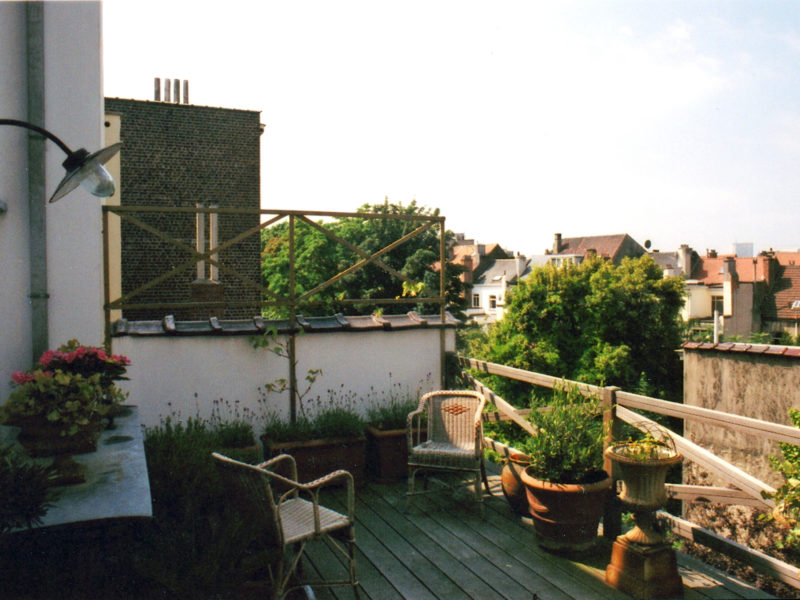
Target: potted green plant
(565,484)
(332,439)
(57,412)
(387,447)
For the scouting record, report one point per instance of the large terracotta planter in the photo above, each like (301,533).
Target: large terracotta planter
(387,453)
(566,516)
(513,488)
(316,458)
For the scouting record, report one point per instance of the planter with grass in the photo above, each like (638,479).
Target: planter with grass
(387,443)
(332,440)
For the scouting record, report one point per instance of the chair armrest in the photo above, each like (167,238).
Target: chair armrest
(313,488)
(268,465)
(413,428)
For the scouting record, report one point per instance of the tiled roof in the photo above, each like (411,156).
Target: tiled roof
(787,291)
(507,267)
(607,246)
(169,326)
(709,271)
(773,350)
(787,258)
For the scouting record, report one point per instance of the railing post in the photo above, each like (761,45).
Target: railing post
(291,351)
(612,514)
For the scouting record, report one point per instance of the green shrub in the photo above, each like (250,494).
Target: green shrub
(787,497)
(392,415)
(569,445)
(26,490)
(197,546)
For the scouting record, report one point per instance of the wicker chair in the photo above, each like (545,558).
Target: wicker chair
(455,439)
(291,516)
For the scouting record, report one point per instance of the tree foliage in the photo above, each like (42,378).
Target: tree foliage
(594,322)
(318,258)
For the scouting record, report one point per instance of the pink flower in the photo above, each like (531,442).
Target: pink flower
(21,378)
(48,356)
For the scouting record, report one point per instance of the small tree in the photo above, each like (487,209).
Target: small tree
(594,322)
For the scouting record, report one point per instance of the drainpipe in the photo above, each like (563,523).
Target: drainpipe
(34,22)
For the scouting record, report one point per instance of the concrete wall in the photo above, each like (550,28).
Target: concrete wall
(73,111)
(183,376)
(750,383)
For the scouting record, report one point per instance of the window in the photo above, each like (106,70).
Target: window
(717,305)
(476,300)
(492,301)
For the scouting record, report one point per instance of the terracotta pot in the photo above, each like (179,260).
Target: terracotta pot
(45,439)
(566,516)
(513,488)
(316,458)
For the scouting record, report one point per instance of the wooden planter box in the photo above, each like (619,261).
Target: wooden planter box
(316,458)
(387,454)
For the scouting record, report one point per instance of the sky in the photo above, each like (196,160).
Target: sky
(674,122)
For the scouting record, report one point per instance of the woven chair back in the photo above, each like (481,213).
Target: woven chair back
(247,490)
(451,417)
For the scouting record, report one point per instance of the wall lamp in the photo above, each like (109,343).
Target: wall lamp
(82,168)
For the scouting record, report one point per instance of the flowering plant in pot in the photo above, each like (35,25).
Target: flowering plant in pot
(57,412)
(565,484)
(87,361)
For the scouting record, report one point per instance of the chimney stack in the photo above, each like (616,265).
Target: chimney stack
(172,90)
(557,244)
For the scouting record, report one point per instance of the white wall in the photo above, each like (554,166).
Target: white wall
(73,112)
(183,376)
(15,313)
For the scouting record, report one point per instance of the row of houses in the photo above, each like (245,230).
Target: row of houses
(748,294)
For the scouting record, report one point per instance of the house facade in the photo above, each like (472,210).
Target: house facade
(489,291)
(182,156)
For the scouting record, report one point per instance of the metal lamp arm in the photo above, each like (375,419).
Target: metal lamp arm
(37,129)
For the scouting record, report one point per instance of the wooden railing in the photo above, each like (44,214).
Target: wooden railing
(620,406)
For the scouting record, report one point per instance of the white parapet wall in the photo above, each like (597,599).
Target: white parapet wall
(193,375)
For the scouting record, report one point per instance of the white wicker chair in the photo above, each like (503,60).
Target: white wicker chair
(454,439)
(291,515)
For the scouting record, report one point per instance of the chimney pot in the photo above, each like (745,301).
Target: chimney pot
(186,91)
(157,90)
(176,84)
(166,90)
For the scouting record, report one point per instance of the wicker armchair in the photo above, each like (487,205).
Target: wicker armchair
(291,516)
(454,442)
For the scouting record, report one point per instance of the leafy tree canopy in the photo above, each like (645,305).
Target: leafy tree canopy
(594,322)
(318,258)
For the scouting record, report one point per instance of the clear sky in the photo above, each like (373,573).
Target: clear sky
(675,122)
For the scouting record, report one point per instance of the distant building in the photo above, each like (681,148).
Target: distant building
(490,289)
(575,249)
(186,156)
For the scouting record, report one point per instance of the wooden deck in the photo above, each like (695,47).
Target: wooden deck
(443,549)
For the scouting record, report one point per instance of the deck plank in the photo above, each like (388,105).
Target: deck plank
(444,549)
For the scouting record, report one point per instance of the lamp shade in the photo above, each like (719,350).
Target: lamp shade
(87,170)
